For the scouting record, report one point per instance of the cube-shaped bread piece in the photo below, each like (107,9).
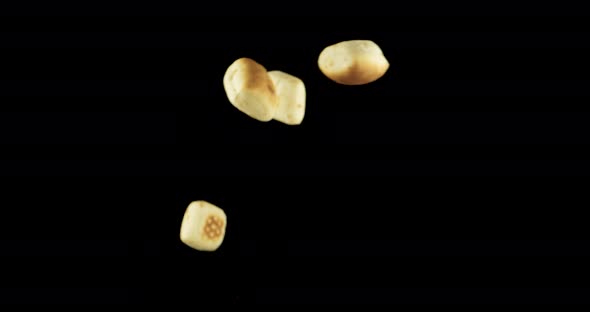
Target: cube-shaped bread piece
(203,226)
(291,93)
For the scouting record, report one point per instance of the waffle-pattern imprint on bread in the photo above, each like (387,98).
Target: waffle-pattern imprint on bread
(203,226)
(213,228)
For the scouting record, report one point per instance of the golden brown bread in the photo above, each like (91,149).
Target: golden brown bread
(250,89)
(353,62)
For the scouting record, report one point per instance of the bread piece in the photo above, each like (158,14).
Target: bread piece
(291,93)
(203,226)
(353,62)
(250,89)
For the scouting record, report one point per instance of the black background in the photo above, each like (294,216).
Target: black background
(459,177)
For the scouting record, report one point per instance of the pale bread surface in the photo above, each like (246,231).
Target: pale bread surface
(203,226)
(292,96)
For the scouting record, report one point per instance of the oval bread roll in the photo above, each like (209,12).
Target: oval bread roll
(353,62)
(250,89)
(291,93)
(203,226)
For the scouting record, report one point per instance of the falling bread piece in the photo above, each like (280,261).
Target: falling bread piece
(203,226)
(353,62)
(250,89)
(291,94)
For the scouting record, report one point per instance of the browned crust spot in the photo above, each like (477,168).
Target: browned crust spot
(358,74)
(213,227)
(257,74)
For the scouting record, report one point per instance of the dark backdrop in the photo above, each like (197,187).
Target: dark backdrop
(460,176)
